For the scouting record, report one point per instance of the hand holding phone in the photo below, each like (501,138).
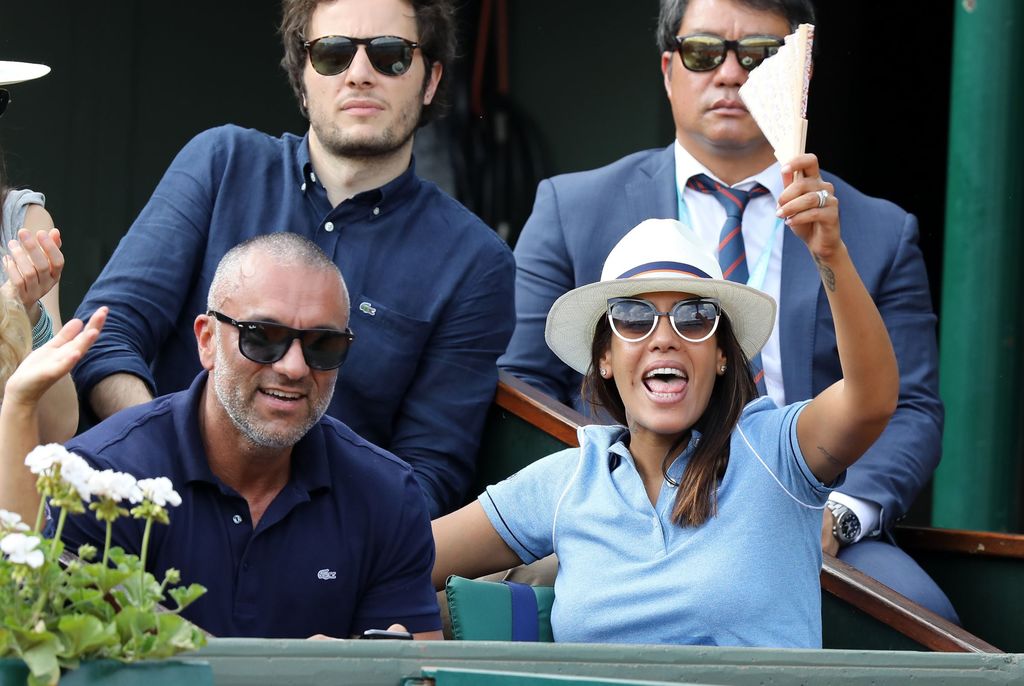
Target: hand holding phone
(386,634)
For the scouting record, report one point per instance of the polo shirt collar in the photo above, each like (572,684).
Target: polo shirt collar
(381,197)
(618,452)
(310,470)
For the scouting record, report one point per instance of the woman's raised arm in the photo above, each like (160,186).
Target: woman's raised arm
(844,420)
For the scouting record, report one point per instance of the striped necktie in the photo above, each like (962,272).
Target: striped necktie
(732,255)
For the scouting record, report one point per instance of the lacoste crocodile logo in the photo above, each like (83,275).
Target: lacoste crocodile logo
(326,574)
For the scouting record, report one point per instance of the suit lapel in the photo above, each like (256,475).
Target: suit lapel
(798,309)
(652,193)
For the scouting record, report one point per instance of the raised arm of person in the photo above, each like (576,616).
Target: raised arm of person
(898,465)
(33,266)
(844,420)
(148,281)
(24,394)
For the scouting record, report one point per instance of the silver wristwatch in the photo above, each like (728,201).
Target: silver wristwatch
(846,528)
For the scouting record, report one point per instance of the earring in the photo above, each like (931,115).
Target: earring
(604,373)
(722,369)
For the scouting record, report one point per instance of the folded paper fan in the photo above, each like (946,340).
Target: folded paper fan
(776,94)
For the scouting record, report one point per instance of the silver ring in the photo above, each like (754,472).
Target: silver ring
(822,198)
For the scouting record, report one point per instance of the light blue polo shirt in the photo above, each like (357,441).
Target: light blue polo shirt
(627,574)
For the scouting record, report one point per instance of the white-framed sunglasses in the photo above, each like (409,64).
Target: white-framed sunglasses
(634,319)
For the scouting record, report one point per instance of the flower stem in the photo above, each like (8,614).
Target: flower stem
(145,548)
(60,526)
(106,543)
(40,513)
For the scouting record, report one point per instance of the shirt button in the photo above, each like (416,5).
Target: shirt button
(329,226)
(237,519)
(376,211)
(303,186)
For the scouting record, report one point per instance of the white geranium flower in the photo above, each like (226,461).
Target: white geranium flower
(11,521)
(21,549)
(116,486)
(43,457)
(160,491)
(76,472)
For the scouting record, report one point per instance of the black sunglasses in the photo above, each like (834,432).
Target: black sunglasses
(266,342)
(390,55)
(5,100)
(704,51)
(634,319)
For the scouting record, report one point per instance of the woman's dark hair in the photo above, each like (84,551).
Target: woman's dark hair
(697,495)
(435,22)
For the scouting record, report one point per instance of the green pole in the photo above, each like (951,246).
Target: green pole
(977,484)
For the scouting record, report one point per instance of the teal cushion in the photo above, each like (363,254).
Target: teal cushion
(482,610)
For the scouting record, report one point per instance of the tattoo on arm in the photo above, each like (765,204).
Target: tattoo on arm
(831,458)
(827,275)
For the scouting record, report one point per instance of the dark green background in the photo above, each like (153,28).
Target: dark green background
(133,81)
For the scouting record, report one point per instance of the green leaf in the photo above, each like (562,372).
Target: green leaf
(84,634)
(186,596)
(41,660)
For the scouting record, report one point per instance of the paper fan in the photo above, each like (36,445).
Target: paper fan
(776,94)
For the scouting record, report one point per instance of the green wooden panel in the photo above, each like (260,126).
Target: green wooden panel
(987,592)
(846,627)
(249,662)
(112,673)
(481,677)
(509,444)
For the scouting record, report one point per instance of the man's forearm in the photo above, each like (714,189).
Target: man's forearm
(117,392)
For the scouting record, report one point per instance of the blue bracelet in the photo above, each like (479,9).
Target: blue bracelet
(43,330)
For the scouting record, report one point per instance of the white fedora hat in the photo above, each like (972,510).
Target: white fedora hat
(16,72)
(657,255)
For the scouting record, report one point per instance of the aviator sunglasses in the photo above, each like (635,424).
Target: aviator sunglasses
(633,319)
(704,51)
(266,342)
(390,55)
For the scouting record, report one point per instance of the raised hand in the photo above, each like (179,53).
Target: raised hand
(810,207)
(34,265)
(47,364)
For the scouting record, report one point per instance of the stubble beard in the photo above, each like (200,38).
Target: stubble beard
(231,394)
(339,143)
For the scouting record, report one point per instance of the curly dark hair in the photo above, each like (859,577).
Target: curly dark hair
(435,23)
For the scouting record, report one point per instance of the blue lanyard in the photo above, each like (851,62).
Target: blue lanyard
(759,273)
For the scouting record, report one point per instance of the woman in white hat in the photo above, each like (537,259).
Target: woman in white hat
(697,519)
(32,264)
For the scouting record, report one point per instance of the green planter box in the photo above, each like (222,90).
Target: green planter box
(113,673)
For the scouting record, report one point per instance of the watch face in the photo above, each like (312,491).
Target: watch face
(847,527)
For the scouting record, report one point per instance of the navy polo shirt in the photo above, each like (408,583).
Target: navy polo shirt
(345,546)
(431,290)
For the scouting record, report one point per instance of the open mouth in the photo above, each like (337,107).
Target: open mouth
(281,395)
(665,382)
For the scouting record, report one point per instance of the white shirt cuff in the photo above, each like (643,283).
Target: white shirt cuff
(867,512)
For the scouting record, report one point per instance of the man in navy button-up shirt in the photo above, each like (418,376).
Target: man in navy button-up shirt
(294,524)
(432,286)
